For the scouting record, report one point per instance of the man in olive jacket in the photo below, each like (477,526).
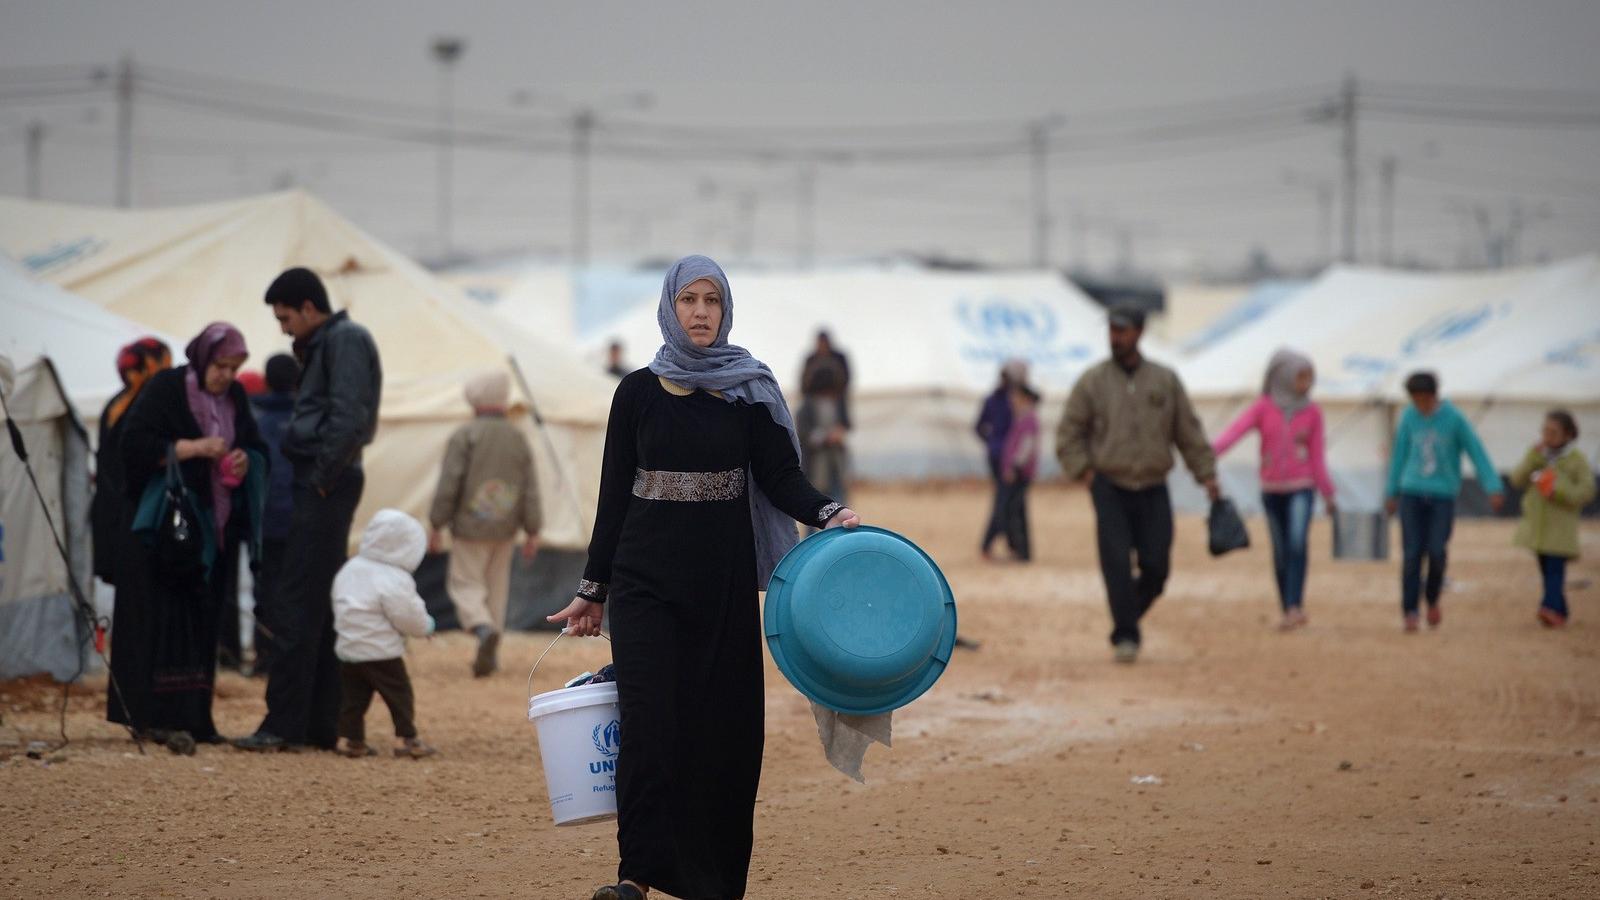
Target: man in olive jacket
(488,489)
(1121,422)
(335,416)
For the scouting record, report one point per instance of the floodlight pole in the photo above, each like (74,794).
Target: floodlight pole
(35,158)
(446,51)
(125,133)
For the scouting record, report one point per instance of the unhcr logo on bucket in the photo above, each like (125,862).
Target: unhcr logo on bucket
(607,741)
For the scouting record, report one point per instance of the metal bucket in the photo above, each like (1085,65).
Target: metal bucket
(1361,536)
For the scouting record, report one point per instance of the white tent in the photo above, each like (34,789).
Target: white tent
(536,299)
(1506,346)
(924,348)
(80,338)
(180,268)
(38,628)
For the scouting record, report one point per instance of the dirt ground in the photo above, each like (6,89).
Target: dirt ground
(1345,760)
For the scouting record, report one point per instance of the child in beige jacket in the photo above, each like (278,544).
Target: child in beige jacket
(488,490)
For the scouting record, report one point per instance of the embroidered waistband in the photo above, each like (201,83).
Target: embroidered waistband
(688,487)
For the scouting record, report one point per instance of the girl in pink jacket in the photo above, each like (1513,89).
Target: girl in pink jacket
(1294,469)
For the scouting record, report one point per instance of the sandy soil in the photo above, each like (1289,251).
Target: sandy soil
(1346,760)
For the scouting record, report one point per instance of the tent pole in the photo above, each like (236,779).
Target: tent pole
(555,459)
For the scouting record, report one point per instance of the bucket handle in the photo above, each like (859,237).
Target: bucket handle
(559,636)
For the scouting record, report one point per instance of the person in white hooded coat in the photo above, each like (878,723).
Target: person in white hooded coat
(375,607)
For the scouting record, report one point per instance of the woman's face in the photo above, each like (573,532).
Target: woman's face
(699,307)
(221,372)
(1304,380)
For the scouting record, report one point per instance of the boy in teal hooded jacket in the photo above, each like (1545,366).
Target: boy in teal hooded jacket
(1424,479)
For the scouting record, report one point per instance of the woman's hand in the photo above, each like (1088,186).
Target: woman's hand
(845,517)
(201,448)
(583,617)
(238,462)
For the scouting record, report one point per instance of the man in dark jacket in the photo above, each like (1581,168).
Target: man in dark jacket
(335,415)
(273,411)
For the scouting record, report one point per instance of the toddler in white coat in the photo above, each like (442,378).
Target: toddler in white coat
(375,606)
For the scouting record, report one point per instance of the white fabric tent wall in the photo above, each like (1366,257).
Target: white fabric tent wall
(38,628)
(537,299)
(80,338)
(178,269)
(1506,345)
(925,348)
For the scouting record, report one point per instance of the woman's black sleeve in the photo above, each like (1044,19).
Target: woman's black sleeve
(776,467)
(145,433)
(616,490)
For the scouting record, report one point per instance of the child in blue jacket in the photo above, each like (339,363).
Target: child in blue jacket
(1424,479)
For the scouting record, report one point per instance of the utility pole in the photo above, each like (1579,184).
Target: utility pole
(1386,173)
(446,51)
(35,157)
(1039,149)
(805,225)
(1039,144)
(1325,222)
(125,133)
(583,122)
(1347,119)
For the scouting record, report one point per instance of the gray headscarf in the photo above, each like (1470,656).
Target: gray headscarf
(732,371)
(1286,366)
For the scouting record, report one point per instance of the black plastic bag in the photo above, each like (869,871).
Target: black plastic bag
(1225,529)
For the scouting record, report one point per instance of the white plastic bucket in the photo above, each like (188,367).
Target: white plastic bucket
(580,732)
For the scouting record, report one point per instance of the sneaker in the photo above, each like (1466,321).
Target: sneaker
(1549,618)
(261,742)
(357,750)
(415,749)
(1126,651)
(618,892)
(1435,616)
(1413,623)
(484,664)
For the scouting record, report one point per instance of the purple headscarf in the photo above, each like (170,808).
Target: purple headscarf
(215,414)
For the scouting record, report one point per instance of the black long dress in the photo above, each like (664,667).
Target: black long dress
(673,555)
(163,629)
(105,510)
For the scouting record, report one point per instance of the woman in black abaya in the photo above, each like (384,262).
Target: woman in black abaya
(700,491)
(164,625)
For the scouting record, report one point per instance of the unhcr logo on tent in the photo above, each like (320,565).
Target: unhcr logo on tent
(62,254)
(1451,327)
(999,328)
(1440,331)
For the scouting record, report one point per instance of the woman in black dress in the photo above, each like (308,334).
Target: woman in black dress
(699,494)
(136,364)
(164,625)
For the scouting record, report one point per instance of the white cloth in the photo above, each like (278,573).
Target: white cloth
(845,738)
(375,600)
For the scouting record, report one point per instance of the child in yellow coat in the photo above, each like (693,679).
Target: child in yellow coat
(1558,484)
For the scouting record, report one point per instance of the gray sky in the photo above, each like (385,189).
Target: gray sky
(815,74)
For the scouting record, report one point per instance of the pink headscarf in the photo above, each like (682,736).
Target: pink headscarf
(214,414)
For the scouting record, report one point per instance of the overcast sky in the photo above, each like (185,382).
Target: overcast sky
(817,73)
